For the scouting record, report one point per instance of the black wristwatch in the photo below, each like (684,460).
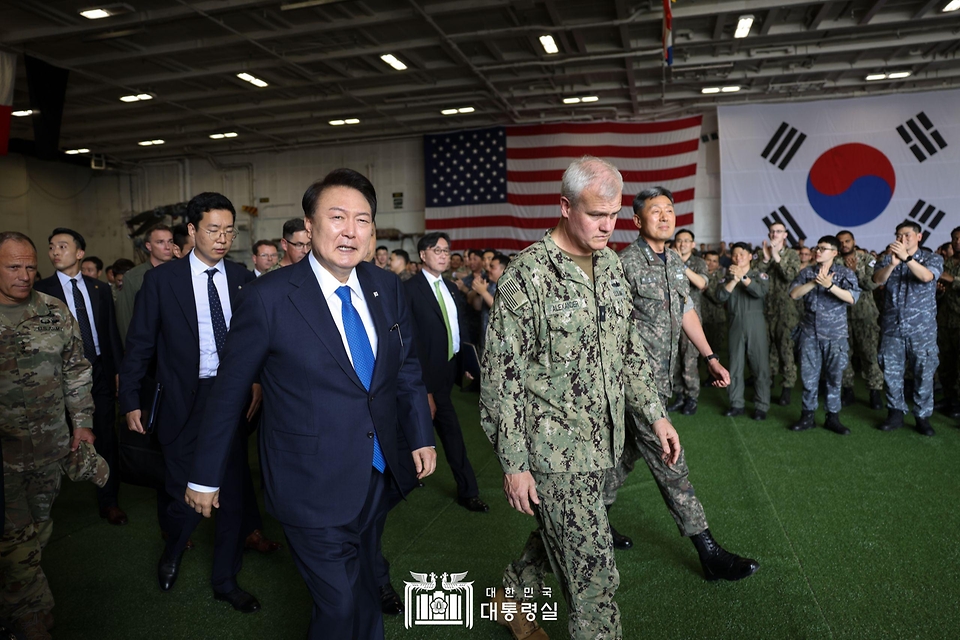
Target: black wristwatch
(832,284)
(712,356)
(908,259)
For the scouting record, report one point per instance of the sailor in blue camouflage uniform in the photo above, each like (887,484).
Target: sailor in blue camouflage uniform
(828,289)
(908,325)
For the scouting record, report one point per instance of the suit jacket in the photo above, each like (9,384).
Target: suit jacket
(316,433)
(164,326)
(104,317)
(431,332)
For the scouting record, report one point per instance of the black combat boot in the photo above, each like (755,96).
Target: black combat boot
(923,427)
(689,407)
(876,399)
(847,397)
(677,404)
(894,420)
(620,541)
(718,563)
(784,397)
(833,424)
(806,422)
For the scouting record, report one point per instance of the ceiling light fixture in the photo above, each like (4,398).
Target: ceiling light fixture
(136,98)
(337,123)
(22,114)
(455,111)
(710,90)
(149,143)
(743,26)
(73,152)
(352,121)
(221,136)
(876,76)
(95,14)
(571,100)
(952,6)
(449,112)
(896,75)
(731,89)
(466,110)
(589,99)
(391,60)
(257,82)
(549,45)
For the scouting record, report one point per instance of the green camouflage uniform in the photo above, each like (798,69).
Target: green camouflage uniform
(862,321)
(132,281)
(660,296)
(43,377)
(948,320)
(782,314)
(562,367)
(748,338)
(713,312)
(686,379)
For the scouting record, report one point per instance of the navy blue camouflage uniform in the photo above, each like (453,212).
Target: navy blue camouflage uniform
(908,327)
(823,335)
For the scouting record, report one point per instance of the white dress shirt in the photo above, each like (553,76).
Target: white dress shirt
(209,358)
(68,294)
(450,304)
(328,286)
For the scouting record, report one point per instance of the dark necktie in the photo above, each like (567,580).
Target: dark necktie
(362,354)
(216,311)
(86,332)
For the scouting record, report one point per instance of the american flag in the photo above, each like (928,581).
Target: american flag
(500,187)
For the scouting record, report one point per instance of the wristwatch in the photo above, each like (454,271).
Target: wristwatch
(908,258)
(712,356)
(832,284)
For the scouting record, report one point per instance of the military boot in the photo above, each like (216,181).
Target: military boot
(833,424)
(923,427)
(894,420)
(520,627)
(806,422)
(785,396)
(847,397)
(677,404)
(689,407)
(719,563)
(620,541)
(876,399)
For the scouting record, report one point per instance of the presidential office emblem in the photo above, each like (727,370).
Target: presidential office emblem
(427,605)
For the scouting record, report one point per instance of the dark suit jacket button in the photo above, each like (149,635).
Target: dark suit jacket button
(370,434)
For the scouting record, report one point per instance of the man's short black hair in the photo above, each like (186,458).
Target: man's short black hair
(292,226)
(679,231)
(648,194)
(502,259)
(955,230)
(263,243)
(402,254)
(122,265)
(382,247)
(909,224)
(81,243)
(486,251)
(710,252)
(430,240)
(831,240)
(846,232)
(741,245)
(456,254)
(207,201)
(97,262)
(180,235)
(340,178)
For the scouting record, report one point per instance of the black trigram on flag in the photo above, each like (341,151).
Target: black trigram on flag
(781,215)
(921,136)
(921,214)
(783,146)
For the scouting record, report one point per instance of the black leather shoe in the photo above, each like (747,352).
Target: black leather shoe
(923,427)
(390,602)
(759,415)
(733,412)
(806,422)
(785,397)
(847,397)
(720,564)
(689,407)
(168,570)
(620,541)
(239,600)
(677,404)
(473,504)
(894,420)
(876,399)
(833,424)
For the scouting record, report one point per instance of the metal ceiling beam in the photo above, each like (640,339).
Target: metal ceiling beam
(925,9)
(872,11)
(820,16)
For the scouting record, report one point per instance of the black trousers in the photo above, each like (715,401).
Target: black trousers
(338,565)
(182,520)
(105,431)
(451,437)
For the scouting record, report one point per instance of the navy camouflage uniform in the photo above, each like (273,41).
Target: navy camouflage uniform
(823,335)
(908,326)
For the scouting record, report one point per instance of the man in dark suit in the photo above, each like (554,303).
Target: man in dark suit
(330,340)
(181,317)
(91,303)
(439,318)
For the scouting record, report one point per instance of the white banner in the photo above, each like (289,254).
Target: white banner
(864,164)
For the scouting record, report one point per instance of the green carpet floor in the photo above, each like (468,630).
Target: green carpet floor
(856,538)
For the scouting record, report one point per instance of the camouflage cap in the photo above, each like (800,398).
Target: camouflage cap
(86,464)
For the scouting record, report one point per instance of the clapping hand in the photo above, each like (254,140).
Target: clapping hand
(824,279)
(767,254)
(479,284)
(899,252)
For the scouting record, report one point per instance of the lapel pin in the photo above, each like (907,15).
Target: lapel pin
(376,295)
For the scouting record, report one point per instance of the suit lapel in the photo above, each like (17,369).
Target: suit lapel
(234,283)
(182,285)
(427,291)
(93,290)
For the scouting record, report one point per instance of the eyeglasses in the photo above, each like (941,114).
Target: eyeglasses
(297,245)
(215,234)
(821,249)
(440,252)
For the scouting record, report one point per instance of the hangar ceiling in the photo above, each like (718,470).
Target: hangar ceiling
(321,64)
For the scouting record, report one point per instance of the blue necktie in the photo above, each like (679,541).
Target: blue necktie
(362,355)
(216,312)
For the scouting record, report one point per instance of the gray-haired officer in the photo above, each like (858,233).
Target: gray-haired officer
(908,325)
(828,289)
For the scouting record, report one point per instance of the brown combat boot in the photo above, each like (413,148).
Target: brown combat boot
(520,627)
(32,628)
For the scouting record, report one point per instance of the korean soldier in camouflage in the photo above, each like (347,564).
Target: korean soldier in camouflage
(744,290)
(714,313)
(948,304)
(663,311)
(686,377)
(827,288)
(782,265)
(563,367)
(908,325)
(43,378)
(862,320)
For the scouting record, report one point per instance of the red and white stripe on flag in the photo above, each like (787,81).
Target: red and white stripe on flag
(8,75)
(647,154)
